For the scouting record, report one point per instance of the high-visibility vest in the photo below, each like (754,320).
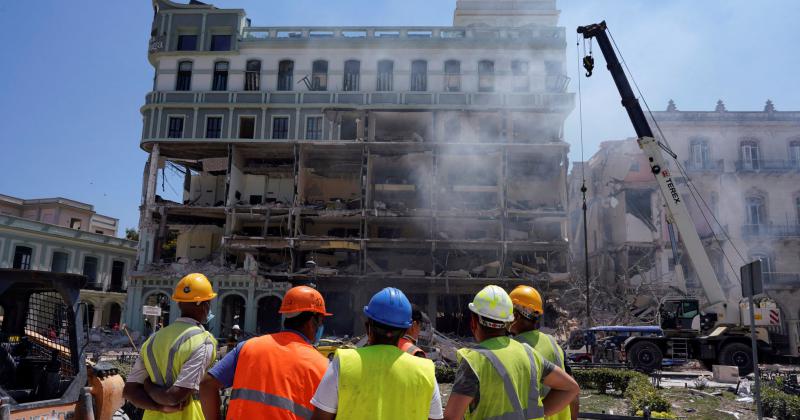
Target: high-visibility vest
(165,352)
(381,382)
(509,374)
(276,377)
(407,345)
(548,347)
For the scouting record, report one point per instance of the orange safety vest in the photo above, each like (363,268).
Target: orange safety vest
(406,344)
(276,377)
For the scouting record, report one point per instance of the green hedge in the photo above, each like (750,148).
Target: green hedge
(779,404)
(634,386)
(445,374)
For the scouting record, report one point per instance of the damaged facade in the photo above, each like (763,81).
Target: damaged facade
(746,168)
(427,158)
(67,236)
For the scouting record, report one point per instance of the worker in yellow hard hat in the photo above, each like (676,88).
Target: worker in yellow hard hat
(172,362)
(500,378)
(528,310)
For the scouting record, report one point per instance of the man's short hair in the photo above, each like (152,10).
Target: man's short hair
(296,322)
(418,315)
(386,334)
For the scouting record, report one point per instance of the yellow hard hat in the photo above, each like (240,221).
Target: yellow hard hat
(527,300)
(193,287)
(492,302)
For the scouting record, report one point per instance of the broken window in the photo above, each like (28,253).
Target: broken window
(385,75)
(220,43)
(247,127)
(60,262)
(220,76)
(285,75)
(184,79)
(521,80)
(352,70)
(313,128)
(419,75)
(117,274)
(90,269)
(252,77)
(452,76)
(75,223)
(22,257)
(175,128)
(486,76)
(187,43)
(213,127)
(637,203)
(319,75)
(280,128)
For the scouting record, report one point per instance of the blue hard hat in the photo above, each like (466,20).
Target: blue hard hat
(391,307)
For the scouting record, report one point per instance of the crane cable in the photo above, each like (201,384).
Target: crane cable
(583,186)
(695,193)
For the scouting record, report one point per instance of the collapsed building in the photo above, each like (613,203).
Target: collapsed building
(745,202)
(431,159)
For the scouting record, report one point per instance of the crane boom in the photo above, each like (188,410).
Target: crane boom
(677,210)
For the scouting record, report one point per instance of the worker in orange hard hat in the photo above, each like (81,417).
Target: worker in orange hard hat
(273,376)
(528,311)
(173,361)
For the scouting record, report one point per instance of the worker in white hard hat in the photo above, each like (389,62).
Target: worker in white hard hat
(501,377)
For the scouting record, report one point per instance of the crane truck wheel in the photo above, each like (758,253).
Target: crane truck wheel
(645,355)
(737,354)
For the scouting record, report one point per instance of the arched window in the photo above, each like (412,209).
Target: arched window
(252,75)
(352,72)
(756,214)
(486,76)
(419,75)
(220,76)
(184,80)
(385,75)
(319,75)
(285,75)
(750,155)
(452,76)
(699,154)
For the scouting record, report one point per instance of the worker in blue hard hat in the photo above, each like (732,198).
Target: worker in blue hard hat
(380,381)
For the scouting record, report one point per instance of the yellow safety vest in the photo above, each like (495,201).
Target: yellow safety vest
(382,382)
(548,347)
(164,353)
(509,374)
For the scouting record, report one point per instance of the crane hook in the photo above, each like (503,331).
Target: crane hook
(588,64)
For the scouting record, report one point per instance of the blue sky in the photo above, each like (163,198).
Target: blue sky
(74,75)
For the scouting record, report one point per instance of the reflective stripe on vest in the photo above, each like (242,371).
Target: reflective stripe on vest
(185,336)
(413,350)
(533,410)
(271,400)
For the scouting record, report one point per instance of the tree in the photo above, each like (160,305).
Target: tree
(132,234)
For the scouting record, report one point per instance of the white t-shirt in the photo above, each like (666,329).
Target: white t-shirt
(327,396)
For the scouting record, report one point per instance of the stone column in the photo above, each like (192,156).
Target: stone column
(793,325)
(250,307)
(97,320)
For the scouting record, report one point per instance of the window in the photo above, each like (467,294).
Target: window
(314,128)
(117,274)
(750,155)
(252,77)
(486,76)
(794,153)
(220,43)
(452,76)
(213,127)
(187,43)
(220,76)
(756,211)
(385,75)
(90,268)
(247,127)
(184,80)
(767,264)
(521,81)
(419,75)
(280,128)
(285,72)
(60,262)
(352,70)
(22,257)
(75,223)
(175,128)
(453,129)
(699,153)
(319,75)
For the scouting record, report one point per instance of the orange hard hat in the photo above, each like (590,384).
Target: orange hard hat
(527,300)
(193,287)
(303,299)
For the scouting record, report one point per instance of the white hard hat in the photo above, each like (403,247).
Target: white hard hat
(493,302)
(236,327)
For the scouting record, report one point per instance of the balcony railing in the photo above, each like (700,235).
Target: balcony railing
(781,279)
(778,231)
(544,35)
(705,166)
(767,165)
